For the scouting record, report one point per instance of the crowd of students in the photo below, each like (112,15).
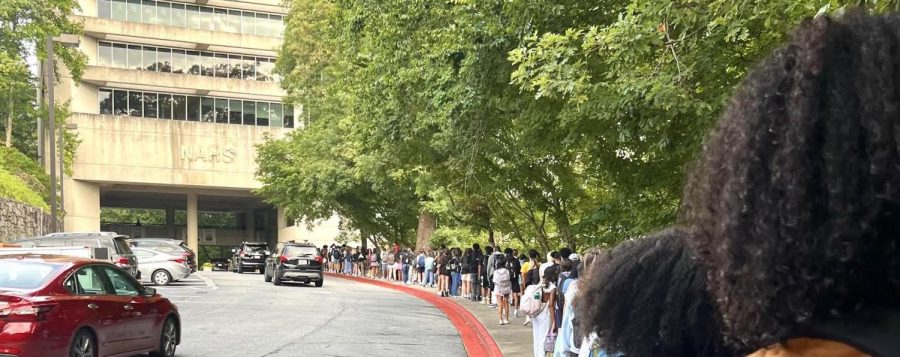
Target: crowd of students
(788,243)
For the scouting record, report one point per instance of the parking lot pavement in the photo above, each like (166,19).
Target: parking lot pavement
(190,288)
(229,314)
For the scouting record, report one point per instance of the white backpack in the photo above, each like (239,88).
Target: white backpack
(529,305)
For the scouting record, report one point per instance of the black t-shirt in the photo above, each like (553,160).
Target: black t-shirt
(466,264)
(515,269)
(477,261)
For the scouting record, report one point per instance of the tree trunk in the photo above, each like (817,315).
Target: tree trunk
(9,122)
(427,225)
(491,240)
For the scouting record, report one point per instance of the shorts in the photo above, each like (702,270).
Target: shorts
(398,266)
(467,277)
(487,283)
(445,272)
(515,286)
(420,269)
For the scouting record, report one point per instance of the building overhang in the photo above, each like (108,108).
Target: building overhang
(179,37)
(182,83)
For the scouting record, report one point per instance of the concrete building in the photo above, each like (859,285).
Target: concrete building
(174,99)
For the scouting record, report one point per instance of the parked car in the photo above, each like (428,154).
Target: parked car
(299,262)
(219,263)
(161,268)
(250,256)
(119,252)
(52,305)
(166,245)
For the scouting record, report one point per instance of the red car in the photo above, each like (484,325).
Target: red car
(54,305)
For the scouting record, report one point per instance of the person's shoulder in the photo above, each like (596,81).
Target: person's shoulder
(801,347)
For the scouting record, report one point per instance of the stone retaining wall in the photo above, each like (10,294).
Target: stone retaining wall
(19,220)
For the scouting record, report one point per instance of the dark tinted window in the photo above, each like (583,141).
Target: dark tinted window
(249,113)
(193,108)
(150,102)
(288,116)
(209,64)
(120,102)
(106,101)
(135,103)
(165,106)
(179,107)
(86,281)
(262,114)
(123,284)
(221,110)
(207,109)
(234,111)
(293,250)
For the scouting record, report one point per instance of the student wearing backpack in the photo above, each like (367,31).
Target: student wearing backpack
(465,271)
(429,270)
(530,277)
(486,285)
(477,259)
(795,204)
(454,271)
(511,263)
(420,267)
(502,289)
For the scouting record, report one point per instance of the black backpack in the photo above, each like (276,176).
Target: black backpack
(873,331)
(453,265)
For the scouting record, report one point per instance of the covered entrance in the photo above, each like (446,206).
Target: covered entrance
(210,221)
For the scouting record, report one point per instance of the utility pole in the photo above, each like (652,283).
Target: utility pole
(51,127)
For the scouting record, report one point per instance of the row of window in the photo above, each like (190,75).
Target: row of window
(170,60)
(195,108)
(192,16)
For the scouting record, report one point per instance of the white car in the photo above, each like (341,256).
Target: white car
(161,268)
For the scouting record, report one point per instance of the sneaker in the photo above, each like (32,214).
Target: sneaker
(516,312)
(527,321)
(502,323)
(506,321)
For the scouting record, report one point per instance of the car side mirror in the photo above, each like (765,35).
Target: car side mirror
(149,292)
(234,250)
(268,252)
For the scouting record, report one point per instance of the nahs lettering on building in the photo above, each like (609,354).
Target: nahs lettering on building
(212,153)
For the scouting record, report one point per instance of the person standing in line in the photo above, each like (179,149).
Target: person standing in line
(551,259)
(429,270)
(444,270)
(420,267)
(465,271)
(513,267)
(486,285)
(454,266)
(530,275)
(389,266)
(491,265)
(544,324)
(477,257)
(502,288)
(336,259)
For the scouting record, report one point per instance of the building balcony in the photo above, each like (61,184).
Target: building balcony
(182,83)
(179,37)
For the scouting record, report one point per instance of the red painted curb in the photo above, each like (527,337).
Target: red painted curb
(476,339)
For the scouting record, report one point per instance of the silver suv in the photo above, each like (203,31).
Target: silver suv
(120,253)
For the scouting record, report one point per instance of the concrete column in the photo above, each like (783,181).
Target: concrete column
(284,232)
(170,222)
(192,231)
(82,206)
(251,226)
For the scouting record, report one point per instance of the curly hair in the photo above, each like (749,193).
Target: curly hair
(793,206)
(648,297)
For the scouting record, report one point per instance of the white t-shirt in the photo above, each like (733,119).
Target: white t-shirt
(542,268)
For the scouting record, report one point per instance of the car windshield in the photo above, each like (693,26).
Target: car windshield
(25,275)
(293,250)
(255,248)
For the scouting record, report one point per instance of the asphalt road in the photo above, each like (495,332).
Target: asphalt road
(228,314)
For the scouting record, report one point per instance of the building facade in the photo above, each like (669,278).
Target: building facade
(174,99)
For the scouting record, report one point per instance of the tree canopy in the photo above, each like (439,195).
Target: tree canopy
(530,122)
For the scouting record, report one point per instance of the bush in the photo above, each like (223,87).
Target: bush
(22,179)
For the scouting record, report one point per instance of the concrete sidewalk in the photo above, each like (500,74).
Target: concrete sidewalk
(513,339)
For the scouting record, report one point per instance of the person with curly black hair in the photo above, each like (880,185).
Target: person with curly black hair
(795,204)
(648,297)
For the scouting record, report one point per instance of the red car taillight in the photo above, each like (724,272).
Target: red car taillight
(123,261)
(319,260)
(283,259)
(25,312)
(178,260)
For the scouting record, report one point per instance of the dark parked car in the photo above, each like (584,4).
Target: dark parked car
(219,263)
(166,245)
(120,253)
(53,305)
(299,262)
(250,256)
